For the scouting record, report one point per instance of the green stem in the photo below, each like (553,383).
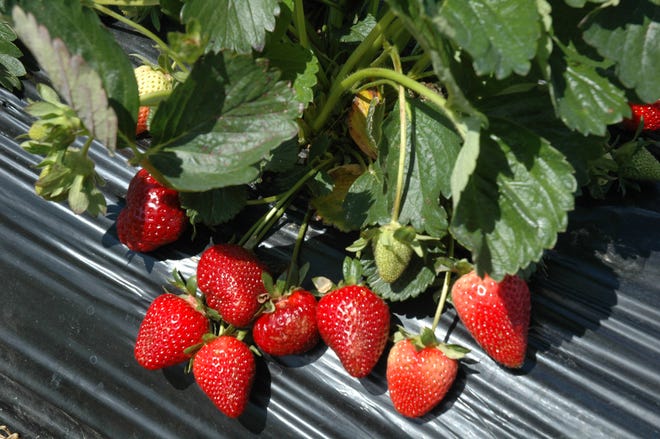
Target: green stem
(142,30)
(399,78)
(88,143)
(299,19)
(359,54)
(296,249)
(403,141)
(258,230)
(445,290)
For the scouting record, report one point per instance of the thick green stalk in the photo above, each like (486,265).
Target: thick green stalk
(299,20)
(379,72)
(142,30)
(372,40)
(445,290)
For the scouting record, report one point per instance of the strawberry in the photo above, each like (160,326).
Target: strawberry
(150,80)
(231,279)
(143,116)
(354,322)
(290,329)
(224,369)
(418,377)
(171,325)
(153,215)
(496,314)
(650,113)
(641,165)
(391,255)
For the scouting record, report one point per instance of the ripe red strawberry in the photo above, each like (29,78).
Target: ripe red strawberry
(354,322)
(231,279)
(143,116)
(171,325)
(224,369)
(150,80)
(153,215)
(496,314)
(418,378)
(291,328)
(649,112)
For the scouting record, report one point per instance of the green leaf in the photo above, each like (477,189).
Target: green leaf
(329,205)
(466,161)
(217,127)
(533,110)
(420,18)
(83,34)
(432,151)
(236,25)
(10,66)
(628,34)
(215,206)
(298,65)
(73,78)
(585,100)
(360,30)
(500,35)
(365,202)
(516,201)
(416,279)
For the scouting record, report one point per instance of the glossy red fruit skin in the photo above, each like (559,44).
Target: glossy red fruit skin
(354,322)
(418,379)
(496,314)
(152,217)
(231,279)
(143,116)
(170,326)
(291,329)
(650,113)
(225,369)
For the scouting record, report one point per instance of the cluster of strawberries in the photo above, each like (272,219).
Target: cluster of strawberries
(231,310)
(232,298)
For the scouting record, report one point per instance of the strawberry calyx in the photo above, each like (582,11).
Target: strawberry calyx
(427,339)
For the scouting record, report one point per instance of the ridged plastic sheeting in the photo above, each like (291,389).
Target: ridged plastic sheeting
(72,299)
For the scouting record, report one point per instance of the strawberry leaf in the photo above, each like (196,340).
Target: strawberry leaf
(533,110)
(628,34)
(77,82)
(416,279)
(215,206)
(237,25)
(365,203)
(85,38)
(507,36)
(515,202)
(217,127)
(299,65)
(421,21)
(585,100)
(10,65)
(432,151)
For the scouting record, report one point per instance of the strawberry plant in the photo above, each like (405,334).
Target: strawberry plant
(443,136)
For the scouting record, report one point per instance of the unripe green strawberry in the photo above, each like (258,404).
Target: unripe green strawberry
(391,255)
(642,166)
(149,81)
